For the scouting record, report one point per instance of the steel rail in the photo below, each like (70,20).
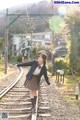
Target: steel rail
(10,86)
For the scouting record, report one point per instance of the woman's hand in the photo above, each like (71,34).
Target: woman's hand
(16,65)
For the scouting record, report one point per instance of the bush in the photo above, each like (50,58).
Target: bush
(19,59)
(50,67)
(75,62)
(0,61)
(61,65)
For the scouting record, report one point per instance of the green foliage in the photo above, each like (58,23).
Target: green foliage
(56,23)
(50,67)
(0,61)
(34,53)
(1,46)
(19,59)
(61,65)
(75,62)
(73,23)
(58,65)
(1,43)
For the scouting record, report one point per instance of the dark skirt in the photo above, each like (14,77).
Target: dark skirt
(32,84)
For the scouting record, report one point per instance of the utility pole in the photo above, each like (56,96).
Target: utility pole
(52,7)
(31,46)
(6,43)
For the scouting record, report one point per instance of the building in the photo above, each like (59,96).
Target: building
(23,43)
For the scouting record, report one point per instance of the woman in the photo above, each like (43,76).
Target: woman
(38,68)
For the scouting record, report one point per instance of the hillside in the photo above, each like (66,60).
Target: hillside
(20,25)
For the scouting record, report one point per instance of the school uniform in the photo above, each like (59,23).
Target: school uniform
(33,77)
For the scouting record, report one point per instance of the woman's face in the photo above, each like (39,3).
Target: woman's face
(40,59)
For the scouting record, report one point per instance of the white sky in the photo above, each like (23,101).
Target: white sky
(11,3)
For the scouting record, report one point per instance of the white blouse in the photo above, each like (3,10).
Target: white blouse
(37,70)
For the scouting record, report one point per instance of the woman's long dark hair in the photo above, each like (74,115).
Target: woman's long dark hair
(44,58)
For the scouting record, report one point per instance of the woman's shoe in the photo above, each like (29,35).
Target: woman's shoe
(33,110)
(33,106)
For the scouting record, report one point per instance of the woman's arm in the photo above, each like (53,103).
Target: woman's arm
(26,64)
(46,76)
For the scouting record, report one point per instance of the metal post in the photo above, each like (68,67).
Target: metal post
(63,77)
(77,91)
(58,77)
(52,7)
(6,43)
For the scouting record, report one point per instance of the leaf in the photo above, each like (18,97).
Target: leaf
(56,23)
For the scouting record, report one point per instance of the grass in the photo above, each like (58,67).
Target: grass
(1,67)
(69,80)
(67,90)
(2,74)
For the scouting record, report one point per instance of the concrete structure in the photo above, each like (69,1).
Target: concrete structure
(23,43)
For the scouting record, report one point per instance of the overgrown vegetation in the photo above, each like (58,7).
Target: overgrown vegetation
(73,24)
(1,44)
(61,65)
(19,59)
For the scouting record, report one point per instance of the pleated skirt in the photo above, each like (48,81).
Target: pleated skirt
(32,84)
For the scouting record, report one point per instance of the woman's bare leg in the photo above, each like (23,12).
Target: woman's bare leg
(33,93)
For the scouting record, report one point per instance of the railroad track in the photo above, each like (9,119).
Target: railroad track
(6,80)
(15,101)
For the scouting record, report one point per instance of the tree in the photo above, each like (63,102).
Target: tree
(34,52)
(1,44)
(56,24)
(73,23)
